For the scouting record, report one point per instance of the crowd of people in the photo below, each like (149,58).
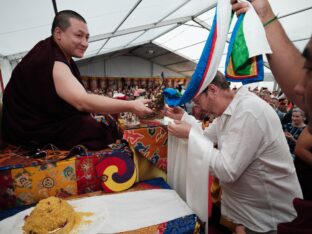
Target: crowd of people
(129,93)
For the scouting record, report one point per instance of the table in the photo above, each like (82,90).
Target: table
(148,140)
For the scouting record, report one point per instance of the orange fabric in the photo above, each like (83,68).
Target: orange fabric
(150,142)
(35,183)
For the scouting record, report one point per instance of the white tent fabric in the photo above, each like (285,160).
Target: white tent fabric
(182,26)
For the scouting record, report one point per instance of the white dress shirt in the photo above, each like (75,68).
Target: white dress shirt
(252,162)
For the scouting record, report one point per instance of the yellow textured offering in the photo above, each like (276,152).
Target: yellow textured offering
(52,215)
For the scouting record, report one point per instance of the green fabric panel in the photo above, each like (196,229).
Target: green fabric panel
(241,63)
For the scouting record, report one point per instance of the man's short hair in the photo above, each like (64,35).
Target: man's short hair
(61,19)
(219,81)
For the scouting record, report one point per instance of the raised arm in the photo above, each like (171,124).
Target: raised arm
(69,89)
(286,62)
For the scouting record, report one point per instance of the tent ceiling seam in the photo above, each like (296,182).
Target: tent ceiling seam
(121,22)
(129,43)
(179,24)
(173,11)
(128,15)
(163,33)
(301,39)
(138,28)
(294,12)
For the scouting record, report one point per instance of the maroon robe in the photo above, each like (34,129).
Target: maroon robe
(33,112)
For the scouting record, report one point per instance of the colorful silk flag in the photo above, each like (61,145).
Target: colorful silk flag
(238,66)
(244,61)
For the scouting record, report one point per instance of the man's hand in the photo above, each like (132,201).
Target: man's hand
(179,129)
(262,7)
(173,112)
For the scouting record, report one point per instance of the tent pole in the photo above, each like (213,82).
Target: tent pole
(54,6)
(1,83)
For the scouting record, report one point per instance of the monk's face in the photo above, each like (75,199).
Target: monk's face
(74,40)
(304,86)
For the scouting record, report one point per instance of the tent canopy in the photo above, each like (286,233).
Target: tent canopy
(180,26)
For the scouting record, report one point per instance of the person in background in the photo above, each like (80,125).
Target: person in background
(282,107)
(274,103)
(274,93)
(45,101)
(293,130)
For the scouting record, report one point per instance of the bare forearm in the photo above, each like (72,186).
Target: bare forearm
(304,155)
(100,104)
(304,146)
(286,61)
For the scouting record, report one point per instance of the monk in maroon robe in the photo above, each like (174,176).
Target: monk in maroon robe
(45,102)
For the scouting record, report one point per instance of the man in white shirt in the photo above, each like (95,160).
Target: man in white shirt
(252,162)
